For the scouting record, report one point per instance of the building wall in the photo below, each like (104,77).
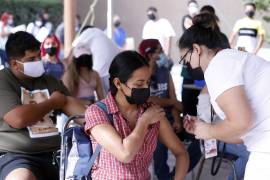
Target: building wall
(133,14)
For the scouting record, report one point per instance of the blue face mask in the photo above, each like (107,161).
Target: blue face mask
(163,60)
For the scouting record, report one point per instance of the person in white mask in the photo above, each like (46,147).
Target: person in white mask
(193,10)
(29,99)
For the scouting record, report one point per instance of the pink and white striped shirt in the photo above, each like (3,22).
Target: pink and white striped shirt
(107,167)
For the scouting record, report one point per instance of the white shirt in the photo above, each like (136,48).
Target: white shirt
(160,29)
(231,68)
(102,48)
(40,33)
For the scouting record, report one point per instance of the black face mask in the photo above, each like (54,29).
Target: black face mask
(51,51)
(117,24)
(151,16)
(196,73)
(138,95)
(250,14)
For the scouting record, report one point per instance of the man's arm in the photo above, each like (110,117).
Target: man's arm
(232,39)
(167,47)
(28,114)
(260,43)
(74,106)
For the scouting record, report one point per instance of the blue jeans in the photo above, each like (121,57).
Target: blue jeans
(239,150)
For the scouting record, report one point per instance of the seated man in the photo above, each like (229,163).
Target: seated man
(27,107)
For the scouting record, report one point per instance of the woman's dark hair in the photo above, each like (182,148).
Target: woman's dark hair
(152,8)
(123,66)
(72,75)
(204,31)
(209,9)
(251,4)
(84,60)
(192,1)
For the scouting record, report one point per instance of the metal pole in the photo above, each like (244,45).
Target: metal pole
(109,18)
(70,7)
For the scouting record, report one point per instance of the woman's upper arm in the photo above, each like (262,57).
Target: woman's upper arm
(168,137)
(108,138)
(98,125)
(235,105)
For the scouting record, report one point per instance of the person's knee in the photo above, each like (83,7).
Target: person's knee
(22,174)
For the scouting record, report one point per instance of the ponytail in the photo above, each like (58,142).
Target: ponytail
(204,31)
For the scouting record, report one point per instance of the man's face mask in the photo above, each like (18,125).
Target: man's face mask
(138,95)
(250,13)
(10,22)
(38,23)
(33,69)
(117,23)
(151,15)
(193,9)
(51,51)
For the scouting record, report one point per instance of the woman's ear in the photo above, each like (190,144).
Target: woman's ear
(196,48)
(117,83)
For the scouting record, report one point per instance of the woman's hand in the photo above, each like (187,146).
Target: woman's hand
(200,129)
(189,123)
(153,114)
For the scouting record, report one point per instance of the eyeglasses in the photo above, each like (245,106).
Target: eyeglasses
(183,59)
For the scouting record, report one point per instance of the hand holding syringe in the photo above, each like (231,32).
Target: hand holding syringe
(201,130)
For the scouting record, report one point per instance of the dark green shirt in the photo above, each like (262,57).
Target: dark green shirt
(18,140)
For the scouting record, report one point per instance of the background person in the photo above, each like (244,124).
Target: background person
(6,25)
(22,156)
(49,51)
(119,33)
(158,28)
(40,28)
(193,9)
(103,51)
(81,80)
(249,30)
(162,93)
